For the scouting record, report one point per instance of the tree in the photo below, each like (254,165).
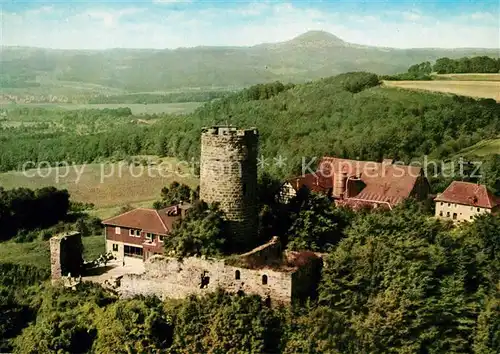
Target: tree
(490,173)
(175,193)
(202,232)
(404,282)
(314,223)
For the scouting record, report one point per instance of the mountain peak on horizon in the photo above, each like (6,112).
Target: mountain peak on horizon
(317,38)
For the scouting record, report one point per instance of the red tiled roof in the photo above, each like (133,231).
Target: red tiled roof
(384,182)
(315,182)
(150,220)
(468,194)
(356,204)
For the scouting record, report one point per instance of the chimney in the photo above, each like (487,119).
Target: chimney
(339,184)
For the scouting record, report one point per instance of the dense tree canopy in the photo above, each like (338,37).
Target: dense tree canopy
(26,209)
(202,232)
(481,64)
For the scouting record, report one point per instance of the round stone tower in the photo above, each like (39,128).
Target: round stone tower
(228,176)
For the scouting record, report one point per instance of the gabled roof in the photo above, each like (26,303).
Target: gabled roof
(314,182)
(468,194)
(383,182)
(149,220)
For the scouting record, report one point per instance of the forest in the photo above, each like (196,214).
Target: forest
(23,209)
(398,281)
(465,65)
(152,98)
(480,64)
(394,281)
(348,116)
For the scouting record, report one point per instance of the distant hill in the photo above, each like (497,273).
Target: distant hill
(312,55)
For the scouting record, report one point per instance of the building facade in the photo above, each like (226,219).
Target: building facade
(140,233)
(265,271)
(462,201)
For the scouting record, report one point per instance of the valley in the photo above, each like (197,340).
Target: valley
(101,156)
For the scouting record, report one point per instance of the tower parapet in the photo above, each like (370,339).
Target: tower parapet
(228,176)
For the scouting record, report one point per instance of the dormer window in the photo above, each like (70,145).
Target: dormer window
(135,233)
(149,236)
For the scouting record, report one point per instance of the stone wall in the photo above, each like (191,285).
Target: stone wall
(266,254)
(66,255)
(228,175)
(169,277)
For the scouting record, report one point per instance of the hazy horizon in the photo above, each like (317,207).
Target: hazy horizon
(173,24)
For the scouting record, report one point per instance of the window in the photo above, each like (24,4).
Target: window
(454,216)
(115,247)
(441,213)
(135,233)
(117,230)
(149,236)
(442,203)
(237,275)
(131,251)
(478,210)
(264,279)
(448,214)
(448,204)
(471,217)
(160,238)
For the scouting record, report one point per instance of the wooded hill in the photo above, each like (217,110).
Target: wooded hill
(309,56)
(348,116)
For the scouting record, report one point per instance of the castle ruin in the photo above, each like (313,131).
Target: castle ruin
(228,176)
(66,255)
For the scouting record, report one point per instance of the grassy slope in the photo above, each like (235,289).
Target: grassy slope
(480,89)
(37,253)
(105,192)
(483,148)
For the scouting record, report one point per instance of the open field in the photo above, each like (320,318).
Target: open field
(37,254)
(483,148)
(109,185)
(469,77)
(479,89)
(136,108)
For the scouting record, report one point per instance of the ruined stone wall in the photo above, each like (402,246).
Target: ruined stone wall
(306,279)
(168,277)
(228,175)
(266,254)
(66,255)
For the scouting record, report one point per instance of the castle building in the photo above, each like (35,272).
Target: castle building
(461,201)
(139,233)
(362,184)
(277,277)
(228,176)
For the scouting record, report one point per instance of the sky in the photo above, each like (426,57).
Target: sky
(188,23)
